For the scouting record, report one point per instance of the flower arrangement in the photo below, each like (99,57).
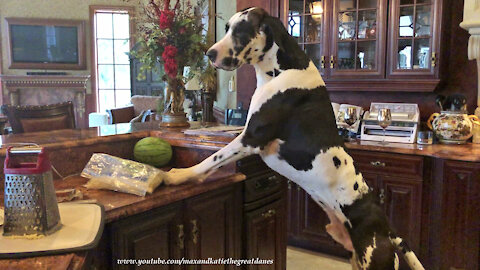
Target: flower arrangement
(171,36)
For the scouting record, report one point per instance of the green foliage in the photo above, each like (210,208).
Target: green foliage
(185,34)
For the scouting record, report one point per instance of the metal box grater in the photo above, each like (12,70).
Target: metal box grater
(30,202)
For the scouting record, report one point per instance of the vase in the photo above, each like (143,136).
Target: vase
(173,114)
(452,127)
(207,106)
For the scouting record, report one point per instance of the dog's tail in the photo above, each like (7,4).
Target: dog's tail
(407,253)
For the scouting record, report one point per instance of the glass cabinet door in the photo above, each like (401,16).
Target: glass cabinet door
(306,23)
(412,44)
(358,38)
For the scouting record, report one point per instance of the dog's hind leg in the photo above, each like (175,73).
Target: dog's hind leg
(407,253)
(234,151)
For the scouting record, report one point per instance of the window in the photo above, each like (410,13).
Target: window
(112,33)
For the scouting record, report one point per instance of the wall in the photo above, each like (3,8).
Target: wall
(225,99)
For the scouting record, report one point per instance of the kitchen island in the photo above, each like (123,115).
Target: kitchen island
(238,212)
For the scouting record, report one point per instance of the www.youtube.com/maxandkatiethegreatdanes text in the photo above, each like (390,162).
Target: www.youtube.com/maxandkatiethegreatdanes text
(183,261)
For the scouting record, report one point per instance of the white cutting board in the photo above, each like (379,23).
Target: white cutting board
(81,225)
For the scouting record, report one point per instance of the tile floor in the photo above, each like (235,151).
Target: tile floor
(301,259)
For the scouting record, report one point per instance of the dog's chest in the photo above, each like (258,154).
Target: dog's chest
(331,181)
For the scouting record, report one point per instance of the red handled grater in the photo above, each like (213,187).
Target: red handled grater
(30,202)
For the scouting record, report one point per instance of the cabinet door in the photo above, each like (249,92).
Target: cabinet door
(402,200)
(158,233)
(414,40)
(213,227)
(265,236)
(461,219)
(308,24)
(312,222)
(358,39)
(292,209)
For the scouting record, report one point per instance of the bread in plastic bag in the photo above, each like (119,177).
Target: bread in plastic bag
(118,174)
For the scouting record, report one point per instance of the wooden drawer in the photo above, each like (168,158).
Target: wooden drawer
(252,165)
(259,187)
(388,164)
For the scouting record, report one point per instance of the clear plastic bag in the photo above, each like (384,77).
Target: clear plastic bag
(118,174)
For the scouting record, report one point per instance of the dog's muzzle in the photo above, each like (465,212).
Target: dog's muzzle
(212,55)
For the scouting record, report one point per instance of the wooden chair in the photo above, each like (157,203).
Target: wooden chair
(140,104)
(40,118)
(121,115)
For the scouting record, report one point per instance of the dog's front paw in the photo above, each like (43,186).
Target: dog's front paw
(179,176)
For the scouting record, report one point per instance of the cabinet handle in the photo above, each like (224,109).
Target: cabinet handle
(377,163)
(434,59)
(322,61)
(382,196)
(195,231)
(461,176)
(181,237)
(332,61)
(272,178)
(269,213)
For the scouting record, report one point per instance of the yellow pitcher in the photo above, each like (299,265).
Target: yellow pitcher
(452,127)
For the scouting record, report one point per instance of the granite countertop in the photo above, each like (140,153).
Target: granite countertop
(465,152)
(111,133)
(119,205)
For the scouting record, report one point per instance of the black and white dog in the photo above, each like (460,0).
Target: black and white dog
(291,125)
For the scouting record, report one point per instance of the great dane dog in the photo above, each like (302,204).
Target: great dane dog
(291,125)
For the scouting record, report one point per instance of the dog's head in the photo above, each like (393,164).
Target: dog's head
(247,38)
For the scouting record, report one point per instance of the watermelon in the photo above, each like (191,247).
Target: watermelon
(153,151)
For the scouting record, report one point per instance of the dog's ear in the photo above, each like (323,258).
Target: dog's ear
(274,31)
(256,16)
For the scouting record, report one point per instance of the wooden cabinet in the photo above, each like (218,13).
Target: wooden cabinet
(413,47)
(357,39)
(242,221)
(159,233)
(265,214)
(396,179)
(206,226)
(402,201)
(307,223)
(460,217)
(265,235)
(349,42)
(213,222)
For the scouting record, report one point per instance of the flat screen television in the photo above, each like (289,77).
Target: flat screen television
(46,44)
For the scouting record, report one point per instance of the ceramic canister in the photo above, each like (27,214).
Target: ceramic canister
(452,127)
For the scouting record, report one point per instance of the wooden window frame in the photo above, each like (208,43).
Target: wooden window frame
(130,10)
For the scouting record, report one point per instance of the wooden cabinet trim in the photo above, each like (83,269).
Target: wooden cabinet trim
(393,164)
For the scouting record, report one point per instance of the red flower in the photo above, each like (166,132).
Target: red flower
(182,30)
(166,5)
(171,67)
(166,19)
(155,8)
(169,52)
